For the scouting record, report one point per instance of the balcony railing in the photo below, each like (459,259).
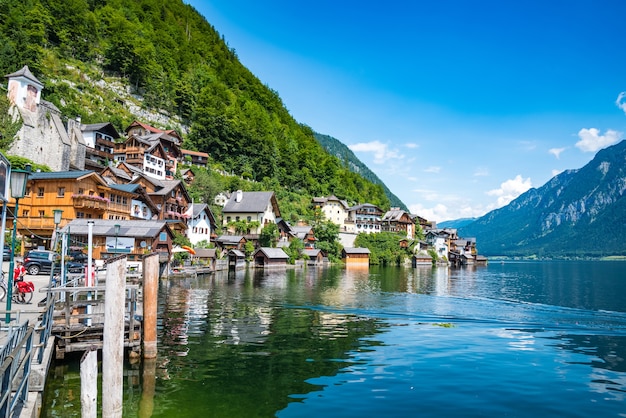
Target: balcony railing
(90,202)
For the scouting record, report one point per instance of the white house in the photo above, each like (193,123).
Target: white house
(261,207)
(200,224)
(336,211)
(366,217)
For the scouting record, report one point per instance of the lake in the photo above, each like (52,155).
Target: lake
(519,339)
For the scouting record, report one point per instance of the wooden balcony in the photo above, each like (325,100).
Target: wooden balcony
(82,201)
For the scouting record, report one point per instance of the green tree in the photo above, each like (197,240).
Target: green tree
(295,249)
(9,126)
(269,235)
(384,247)
(327,235)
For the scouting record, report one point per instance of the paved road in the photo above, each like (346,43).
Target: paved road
(31,311)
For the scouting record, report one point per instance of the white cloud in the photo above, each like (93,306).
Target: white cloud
(621,101)
(510,189)
(481,172)
(411,145)
(432,169)
(556,152)
(592,141)
(381,151)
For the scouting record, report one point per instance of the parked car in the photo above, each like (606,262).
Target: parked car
(78,256)
(40,261)
(6,253)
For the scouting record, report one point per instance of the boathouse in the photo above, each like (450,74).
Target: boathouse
(236,260)
(421,259)
(270,257)
(314,256)
(356,256)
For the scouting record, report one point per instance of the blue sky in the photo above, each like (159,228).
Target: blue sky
(458,106)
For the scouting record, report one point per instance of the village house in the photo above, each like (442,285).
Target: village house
(100,144)
(398,221)
(336,211)
(169,140)
(313,256)
(201,224)
(78,194)
(230,242)
(199,159)
(261,207)
(367,218)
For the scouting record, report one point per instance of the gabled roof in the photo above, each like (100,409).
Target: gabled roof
(229,239)
(104,127)
(198,208)
(117,172)
(129,188)
(67,175)
(272,253)
(395,215)
(25,72)
(356,250)
(190,152)
(106,227)
(311,252)
(251,202)
(205,252)
(152,129)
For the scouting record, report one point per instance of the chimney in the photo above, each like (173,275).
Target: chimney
(239,196)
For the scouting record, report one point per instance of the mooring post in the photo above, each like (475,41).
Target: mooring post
(89,383)
(113,339)
(148,385)
(150,271)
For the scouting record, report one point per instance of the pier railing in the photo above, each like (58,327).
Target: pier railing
(15,364)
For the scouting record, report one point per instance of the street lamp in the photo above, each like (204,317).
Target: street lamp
(58,213)
(18,180)
(116,228)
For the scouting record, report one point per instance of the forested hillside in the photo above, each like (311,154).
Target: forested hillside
(116,60)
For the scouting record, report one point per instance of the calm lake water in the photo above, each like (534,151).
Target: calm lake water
(519,339)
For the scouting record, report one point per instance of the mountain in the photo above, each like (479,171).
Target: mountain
(345,154)
(162,63)
(578,213)
(456,223)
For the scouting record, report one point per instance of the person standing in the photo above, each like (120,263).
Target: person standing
(18,276)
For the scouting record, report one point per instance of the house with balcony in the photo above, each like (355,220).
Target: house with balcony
(261,207)
(196,158)
(141,205)
(169,140)
(148,156)
(367,218)
(78,194)
(170,198)
(398,221)
(100,144)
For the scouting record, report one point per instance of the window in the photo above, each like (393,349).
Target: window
(61,192)
(80,215)
(42,213)
(163,236)
(40,192)
(25,213)
(81,190)
(27,191)
(249,218)
(228,219)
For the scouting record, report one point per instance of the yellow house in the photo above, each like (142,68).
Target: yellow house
(79,194)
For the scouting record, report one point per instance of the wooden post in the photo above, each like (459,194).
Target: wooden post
(146,404)
(150,271)
(113,339)
(89,384)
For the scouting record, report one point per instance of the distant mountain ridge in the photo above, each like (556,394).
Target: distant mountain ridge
(455,223)
(578,213)
(345,154)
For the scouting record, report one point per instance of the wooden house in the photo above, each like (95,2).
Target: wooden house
(134,238)
(270,257)
(355,256)
(145,154)
(304,233)
(100,142)
(398,221)
(314,256)
(78,194)
(171,199)
(236,260)
(230,242)
(199,159)
(421,259)
(169,141)
(206,256)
